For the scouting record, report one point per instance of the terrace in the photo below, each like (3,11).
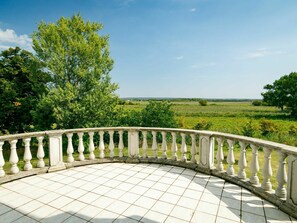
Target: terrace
(145,175)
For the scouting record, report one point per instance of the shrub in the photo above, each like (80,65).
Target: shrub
(203,102)
(257,103)
(203,125)
(248,129)
(293,130)
(267,127)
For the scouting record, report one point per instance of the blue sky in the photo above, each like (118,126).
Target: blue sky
(177,48)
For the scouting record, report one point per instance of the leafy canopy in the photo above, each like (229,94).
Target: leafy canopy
(81,93)
(21,84)
(283,93)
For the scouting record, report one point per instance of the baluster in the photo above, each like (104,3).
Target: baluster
(254,179)
(101,145)
(91,146)
(40,152)
(155,145)
(242,161)
(164,145)
(144,145)
(193,149)
(70,158)
(27,154)
(111,144)
(81,147)
(267,170)
(230,158)
(220,154)
(121,143)
(183,148)
(174,146)
(281,176)
(2,161)
(13,159)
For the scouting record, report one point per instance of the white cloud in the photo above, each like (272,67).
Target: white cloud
(193,10)
(179,58)
(263,52)
(9,38)
(203,65)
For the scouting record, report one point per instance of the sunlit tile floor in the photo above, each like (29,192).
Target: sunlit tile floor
(121,192)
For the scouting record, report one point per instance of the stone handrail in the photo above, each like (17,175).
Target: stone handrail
(210,159)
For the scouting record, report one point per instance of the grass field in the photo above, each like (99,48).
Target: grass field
(231,117)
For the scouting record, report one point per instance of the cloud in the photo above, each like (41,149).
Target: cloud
(263,52)
(193,10)
(9,38)
(203,65)
(179,58)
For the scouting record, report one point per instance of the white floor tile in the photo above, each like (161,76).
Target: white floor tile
(162,207)
(203,217)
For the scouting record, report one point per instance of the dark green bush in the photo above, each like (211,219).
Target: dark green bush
(257,103)
(203,102)
(267,127)
(249,129)
(203,125)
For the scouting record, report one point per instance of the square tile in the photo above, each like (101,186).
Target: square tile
(188,202)
(25,219)
(139,190)
(129,198)
(29,207)
(73,206)
(114,193)
(231,203)
(88,212)
(176,190)
(182,213)
(203,217)
(174,220)
(60,202)
(103,202)
(135,212)
(118,207)
(253,208)
(145,202)
(42,212)
(170,198)
(229,213)
(11,216)
(152,193)
(153,217)
(210,198)
(162,207)
(207,208)
(89,197)
(251,218)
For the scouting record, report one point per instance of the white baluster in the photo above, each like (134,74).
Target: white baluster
(40,152)
(164,145)
(27,154)
(155,145)
(267,170)
(101,145)
(174,146)
(144,145)
(91,146)
(111,144)
(193,149)
(220,154)
(254,167)
(281,176)
(121,144)
(183,148)
(70,151)
(242,161)
(81,147)
(2,161)
(230,158)
(13,159)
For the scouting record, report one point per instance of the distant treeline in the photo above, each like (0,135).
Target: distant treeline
(189,99)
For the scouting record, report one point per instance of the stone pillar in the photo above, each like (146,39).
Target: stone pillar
(133,144)
(292,180)
(206,151)
(55,152)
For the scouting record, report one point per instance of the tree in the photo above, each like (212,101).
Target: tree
(81,93)
(22,81)
(282,93)
(158,114)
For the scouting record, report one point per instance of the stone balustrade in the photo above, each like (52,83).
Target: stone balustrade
(204,151)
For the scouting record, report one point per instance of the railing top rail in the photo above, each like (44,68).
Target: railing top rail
(258,142)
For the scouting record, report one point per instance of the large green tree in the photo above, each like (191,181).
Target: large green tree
(283,93)
(81,93)
(22,81)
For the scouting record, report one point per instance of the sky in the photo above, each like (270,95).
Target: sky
(177,48)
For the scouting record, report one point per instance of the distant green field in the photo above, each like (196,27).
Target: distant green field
(231,117)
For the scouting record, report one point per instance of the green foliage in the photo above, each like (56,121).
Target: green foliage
(203,102)
(283,93)
(249,129)
(21,83)
(81,93)
(267,127)
(202,124)
(158,114)
(257,103)
(293,130)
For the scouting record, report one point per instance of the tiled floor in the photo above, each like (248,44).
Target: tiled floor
(131,193)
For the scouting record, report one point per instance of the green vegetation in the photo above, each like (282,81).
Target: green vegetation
(238,117)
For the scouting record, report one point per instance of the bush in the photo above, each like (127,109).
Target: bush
(249,129)
(293,130)
(257,103)
(203,125)
(203,102)
(267,127)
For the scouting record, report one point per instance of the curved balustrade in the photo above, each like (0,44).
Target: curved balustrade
(205,151)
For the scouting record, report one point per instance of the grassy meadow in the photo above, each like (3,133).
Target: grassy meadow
(232,117)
